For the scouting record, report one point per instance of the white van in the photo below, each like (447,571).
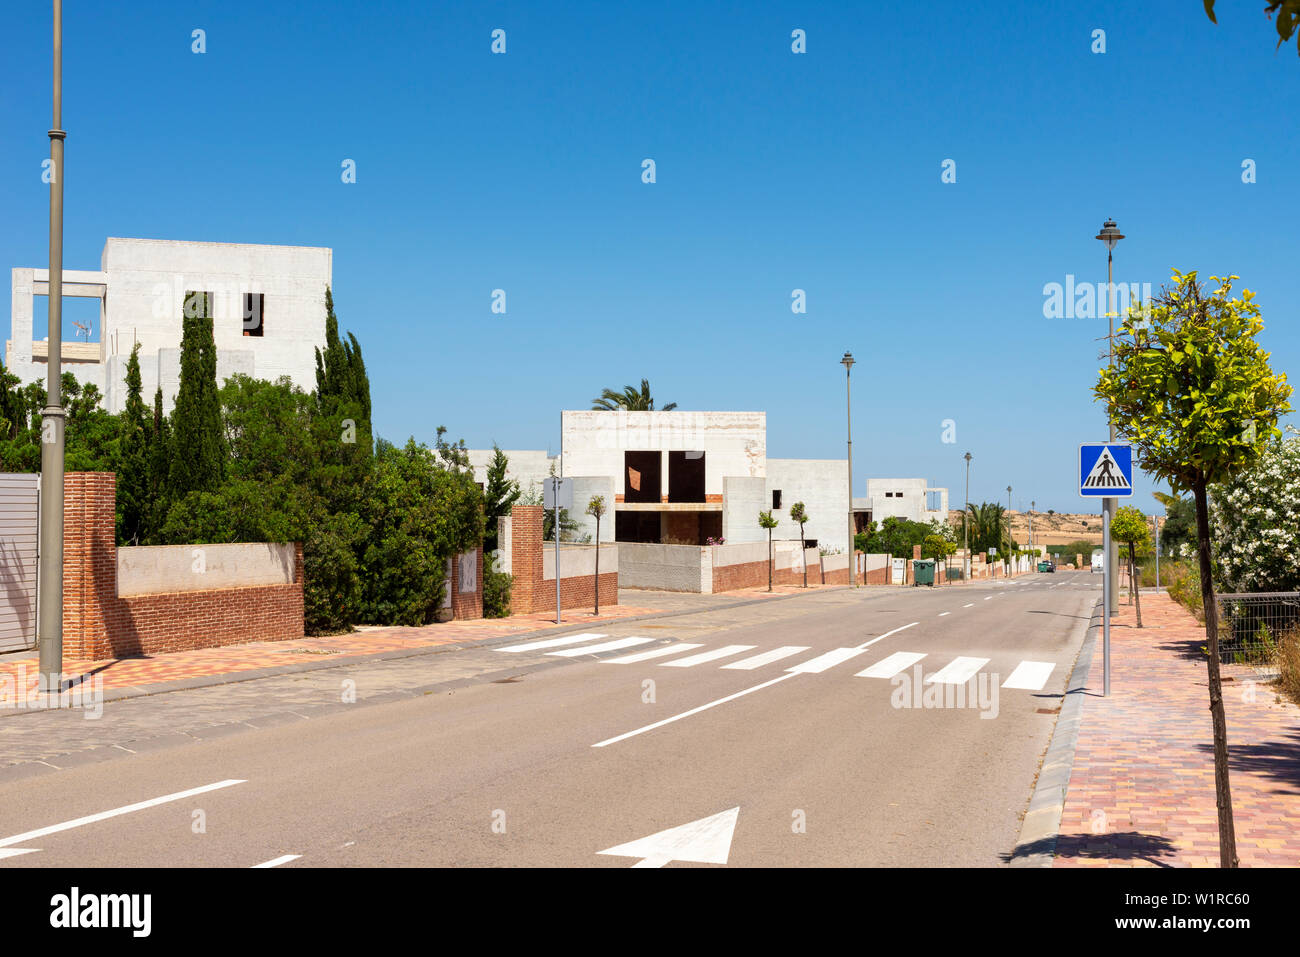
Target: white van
(1098,560)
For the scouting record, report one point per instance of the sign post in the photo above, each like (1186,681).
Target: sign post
(557,493)
(1106,471)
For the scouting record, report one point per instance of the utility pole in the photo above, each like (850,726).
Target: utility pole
(965,525)
(847,362)
(1010,541)
(49,623)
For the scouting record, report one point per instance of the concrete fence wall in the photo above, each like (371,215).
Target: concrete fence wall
(158,569)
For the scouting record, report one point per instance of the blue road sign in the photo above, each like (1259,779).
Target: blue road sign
(1106,470)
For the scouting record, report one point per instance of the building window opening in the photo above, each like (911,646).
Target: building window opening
(253,305)
(642,478)
(776,498)
(686,477)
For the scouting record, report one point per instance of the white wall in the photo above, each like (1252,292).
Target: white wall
(155,569)
(912,503)
(822,486)
(734,443)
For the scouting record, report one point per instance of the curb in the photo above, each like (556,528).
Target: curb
(254,674)
(1041,827)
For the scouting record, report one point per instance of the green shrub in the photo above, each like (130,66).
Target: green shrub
(496,589)
(1288,662)
(1186,590)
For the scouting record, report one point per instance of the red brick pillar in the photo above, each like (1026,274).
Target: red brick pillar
(526,558)
(90,603)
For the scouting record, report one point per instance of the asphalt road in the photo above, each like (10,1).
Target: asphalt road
(573,754)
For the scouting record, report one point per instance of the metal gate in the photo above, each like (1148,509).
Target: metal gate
(18,508)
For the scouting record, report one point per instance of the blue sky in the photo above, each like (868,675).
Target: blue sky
(775,171)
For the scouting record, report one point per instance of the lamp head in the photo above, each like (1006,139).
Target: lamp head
(1110,234)
(847,361)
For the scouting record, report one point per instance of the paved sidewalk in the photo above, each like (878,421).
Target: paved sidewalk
(1141,792)
(139,673)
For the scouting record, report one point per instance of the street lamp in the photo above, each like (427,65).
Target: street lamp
(1110,236)
(1010,541)
(965,526)
(49,623)
(847,362)
(1032,503)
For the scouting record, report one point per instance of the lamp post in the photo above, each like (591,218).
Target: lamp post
(1010,541)
(1110,236)
(49,624)
(1032,503)
(965,526)
(847,362)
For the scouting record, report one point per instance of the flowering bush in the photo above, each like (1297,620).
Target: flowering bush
(1255,523)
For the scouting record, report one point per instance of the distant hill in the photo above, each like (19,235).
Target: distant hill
(1058,529)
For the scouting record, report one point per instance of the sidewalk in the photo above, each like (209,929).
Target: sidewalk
(1141,791)
(140,673)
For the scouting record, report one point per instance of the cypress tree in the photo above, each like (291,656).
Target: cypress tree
(197,450)
(342,385)
(133,492)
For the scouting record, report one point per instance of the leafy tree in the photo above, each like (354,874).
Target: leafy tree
(342,385)
(1131,527)
(800,514)
(596,508)
(1288,18)
(1179,526)
(499,496)
(155,510)
(1192,390)
(630,399)
(765,520)
(496,588)
(197,456)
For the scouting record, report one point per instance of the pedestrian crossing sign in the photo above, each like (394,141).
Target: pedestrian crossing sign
(1106,470)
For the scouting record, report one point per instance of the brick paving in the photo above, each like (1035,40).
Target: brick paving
(1141,793)
(157,669)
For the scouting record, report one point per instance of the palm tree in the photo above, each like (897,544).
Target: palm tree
(989,527)
(629,400)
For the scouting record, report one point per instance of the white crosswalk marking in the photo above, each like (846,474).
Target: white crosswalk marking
(693,660)
(942,613)
(815,666)
(766,658)
(1030,675)
(652,653)
(614,645)
(968,605)
(552,642)
(957,672)
(888,667)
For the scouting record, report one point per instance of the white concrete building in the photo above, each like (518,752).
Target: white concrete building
(912,499)
(684,477)
(268,313)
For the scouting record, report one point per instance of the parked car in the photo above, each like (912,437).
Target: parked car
(1098,560)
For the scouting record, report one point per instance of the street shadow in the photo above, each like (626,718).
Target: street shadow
(1187,649)
(1058,614)
(1119,845)
(1279,760)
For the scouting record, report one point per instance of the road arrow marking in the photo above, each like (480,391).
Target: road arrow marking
(706,841)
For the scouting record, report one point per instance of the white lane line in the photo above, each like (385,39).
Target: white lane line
(687,714)
(766,658)
(16,851)
(552,642)
(888,667)
(1030,675)
(957,672)
(815,666)
(942,613)
(968,605)
(277,861)
(987,598)
(868,644)
(614,645)
(104,815)
(724,652)
(652,653)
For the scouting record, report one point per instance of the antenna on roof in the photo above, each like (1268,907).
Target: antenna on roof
(82,328)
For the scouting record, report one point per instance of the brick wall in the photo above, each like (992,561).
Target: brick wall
(467,604)
(530,592)
(98,624)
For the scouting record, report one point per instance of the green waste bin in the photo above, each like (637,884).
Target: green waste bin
(923,571)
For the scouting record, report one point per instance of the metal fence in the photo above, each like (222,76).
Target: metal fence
(1252,624)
